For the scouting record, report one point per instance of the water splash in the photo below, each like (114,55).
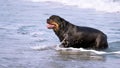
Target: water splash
(73,50)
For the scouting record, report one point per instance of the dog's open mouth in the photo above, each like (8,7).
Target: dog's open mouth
(50,26)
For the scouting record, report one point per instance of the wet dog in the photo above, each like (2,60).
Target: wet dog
(74,36)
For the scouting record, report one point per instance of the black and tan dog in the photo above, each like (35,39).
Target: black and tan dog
(74,36)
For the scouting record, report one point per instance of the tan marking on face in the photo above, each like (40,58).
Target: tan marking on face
(56,26)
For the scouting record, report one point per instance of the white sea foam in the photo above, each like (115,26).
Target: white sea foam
(81,50)
(43,47)
(73,50)
(99,5)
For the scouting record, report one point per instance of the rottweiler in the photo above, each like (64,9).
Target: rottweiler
(71,35)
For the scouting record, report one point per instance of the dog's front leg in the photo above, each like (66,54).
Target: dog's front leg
(65,42)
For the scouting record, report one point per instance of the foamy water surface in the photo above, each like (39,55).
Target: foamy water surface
(99,5)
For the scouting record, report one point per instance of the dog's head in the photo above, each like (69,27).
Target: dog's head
(55,22)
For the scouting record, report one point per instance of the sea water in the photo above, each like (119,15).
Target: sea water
(25,41)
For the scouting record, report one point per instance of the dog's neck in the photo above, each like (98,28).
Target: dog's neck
(62,31)
(59,34)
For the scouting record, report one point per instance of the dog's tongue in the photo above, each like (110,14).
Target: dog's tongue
(49,26)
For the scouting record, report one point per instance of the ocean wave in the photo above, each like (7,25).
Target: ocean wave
(82,50)
(99,5)
(74,51)
(43,47)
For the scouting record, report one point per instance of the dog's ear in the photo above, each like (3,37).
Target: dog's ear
(64,23)
(61,19)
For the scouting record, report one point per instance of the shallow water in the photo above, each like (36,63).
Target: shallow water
(25,42)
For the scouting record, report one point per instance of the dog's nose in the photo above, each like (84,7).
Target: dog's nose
(48,21)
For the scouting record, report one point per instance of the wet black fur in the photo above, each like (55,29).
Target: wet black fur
(71,35)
